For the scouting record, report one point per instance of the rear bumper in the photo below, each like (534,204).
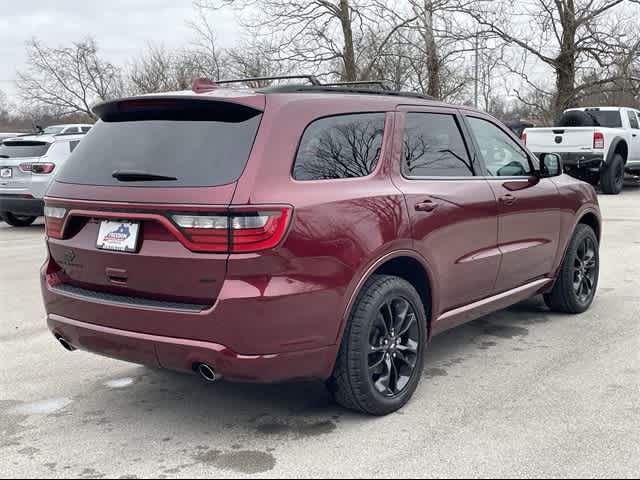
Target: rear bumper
(182,355)
(583,160)
(32,207)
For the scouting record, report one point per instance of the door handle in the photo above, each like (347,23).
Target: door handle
(508,199)
(426,206)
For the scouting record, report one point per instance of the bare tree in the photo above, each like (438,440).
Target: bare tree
(571,37)
(4,108)
(330,35)
(67,80)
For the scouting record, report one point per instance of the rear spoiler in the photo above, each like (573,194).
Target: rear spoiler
(232,107)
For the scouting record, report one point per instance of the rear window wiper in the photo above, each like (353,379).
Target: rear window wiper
(136,176)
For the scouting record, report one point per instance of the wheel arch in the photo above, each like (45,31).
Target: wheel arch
(406,264)
(618,146)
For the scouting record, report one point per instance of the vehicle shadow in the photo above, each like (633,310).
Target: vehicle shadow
(293,409)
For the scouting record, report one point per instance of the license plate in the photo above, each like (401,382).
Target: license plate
(118,236)
(6,173)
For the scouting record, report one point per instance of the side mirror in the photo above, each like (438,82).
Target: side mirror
(550,165)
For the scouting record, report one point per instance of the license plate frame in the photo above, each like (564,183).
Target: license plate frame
(118,236)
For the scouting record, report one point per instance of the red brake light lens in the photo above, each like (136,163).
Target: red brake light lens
(42,168)
(54,220)
(26,167)
(598,140)
(239,231)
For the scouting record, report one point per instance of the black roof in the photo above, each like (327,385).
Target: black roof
(342,89)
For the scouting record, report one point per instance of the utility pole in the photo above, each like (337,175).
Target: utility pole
(477,71)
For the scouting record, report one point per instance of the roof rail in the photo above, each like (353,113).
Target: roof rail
(312,79)
(330,89)
(383,84)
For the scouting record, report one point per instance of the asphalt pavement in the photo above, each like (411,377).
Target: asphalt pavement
(520,393)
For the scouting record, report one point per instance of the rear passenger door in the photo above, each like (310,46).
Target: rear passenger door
(529,216)
(452,208)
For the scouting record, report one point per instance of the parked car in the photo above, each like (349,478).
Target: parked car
(305,232)
(597,144)
(27,166)
(5,135)
(68,129)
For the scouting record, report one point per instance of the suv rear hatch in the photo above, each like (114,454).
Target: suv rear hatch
(137,215)
(16,158)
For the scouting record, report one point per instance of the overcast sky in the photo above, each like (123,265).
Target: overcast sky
(122,27)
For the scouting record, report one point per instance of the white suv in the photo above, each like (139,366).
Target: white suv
(27,167)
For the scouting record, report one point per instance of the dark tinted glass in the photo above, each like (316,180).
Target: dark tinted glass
(23,149)
(73,145)
(608,119)
(633,120)
(346,146)
(433,147)
(211,149)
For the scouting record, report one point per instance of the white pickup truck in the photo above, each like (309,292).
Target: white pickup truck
(597,144)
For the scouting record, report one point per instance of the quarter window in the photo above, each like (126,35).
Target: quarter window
(502,155)
(433,147)
(346,146)
(633,120)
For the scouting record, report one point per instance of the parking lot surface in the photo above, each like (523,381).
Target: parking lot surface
(522,392)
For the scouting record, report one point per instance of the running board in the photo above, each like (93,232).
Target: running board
(483,307)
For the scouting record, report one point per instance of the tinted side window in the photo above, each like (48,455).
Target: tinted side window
(85,129)
(73,145)
(433,147)
(346,146)
(633,120)
(502,155)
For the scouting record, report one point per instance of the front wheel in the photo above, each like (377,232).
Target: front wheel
(381,356)
(17,220)
(577,282)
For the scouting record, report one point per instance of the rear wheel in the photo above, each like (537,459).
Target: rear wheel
(381,357)
(17,220)
(577,282)
(612,178)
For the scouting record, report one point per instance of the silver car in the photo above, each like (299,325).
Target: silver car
(27,167)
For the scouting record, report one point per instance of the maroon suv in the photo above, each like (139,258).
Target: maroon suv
(305,232)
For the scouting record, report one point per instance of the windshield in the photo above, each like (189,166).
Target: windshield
(53,130)
(188,145)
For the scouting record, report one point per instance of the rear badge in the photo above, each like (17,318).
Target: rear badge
(558,139)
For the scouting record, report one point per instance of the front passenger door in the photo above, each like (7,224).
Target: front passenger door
(529,219)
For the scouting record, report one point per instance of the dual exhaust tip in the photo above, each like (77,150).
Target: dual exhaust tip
(65,344)
(207,373)
(202,369)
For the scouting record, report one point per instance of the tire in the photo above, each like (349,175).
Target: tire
(566,297)
(612,178)
(360,373)
(17,220)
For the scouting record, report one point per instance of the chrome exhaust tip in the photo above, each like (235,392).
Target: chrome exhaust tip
(66,345)
(207,373)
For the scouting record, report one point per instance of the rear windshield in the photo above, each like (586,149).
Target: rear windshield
(607,119)
(23,149)
(197,143)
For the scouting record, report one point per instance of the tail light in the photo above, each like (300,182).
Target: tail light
(26,167)
(54,220)
(598,141)
(42,168)
(239,231)
(523,138)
